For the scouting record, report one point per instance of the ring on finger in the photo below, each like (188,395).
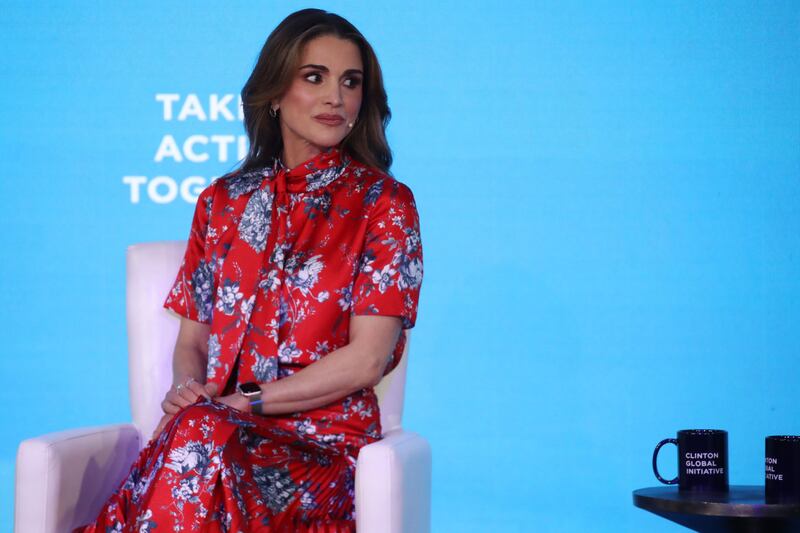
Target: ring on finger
(178,388)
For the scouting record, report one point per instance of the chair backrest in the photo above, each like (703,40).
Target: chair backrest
(152,331)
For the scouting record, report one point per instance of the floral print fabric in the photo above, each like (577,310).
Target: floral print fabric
(277,262)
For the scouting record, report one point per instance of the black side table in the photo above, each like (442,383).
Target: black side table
(742,509)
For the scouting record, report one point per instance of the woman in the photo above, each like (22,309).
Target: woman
(303,268)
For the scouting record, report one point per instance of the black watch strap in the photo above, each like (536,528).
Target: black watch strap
(255,405)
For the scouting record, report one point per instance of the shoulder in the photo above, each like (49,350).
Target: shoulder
(205,201)
(239,182)
(380,187)
(231,188)
(226,193)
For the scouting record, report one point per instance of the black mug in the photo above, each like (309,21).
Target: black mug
(782,469)
(702,460)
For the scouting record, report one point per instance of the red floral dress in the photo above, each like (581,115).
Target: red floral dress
(277,262)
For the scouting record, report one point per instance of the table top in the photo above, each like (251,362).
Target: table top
(740,500)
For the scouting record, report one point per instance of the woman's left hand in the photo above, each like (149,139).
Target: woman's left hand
(236,401)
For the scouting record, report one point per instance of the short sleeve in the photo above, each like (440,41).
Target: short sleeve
(389,274)
(192,293)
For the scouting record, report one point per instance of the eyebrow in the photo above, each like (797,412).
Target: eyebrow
(325,69)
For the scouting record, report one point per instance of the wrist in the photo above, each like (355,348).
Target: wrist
(243,404)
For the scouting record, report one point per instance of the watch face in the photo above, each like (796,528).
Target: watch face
(250,388)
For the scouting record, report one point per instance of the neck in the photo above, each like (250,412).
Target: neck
(296,151)
(293,156)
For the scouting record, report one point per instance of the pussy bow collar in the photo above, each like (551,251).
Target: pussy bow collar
(255,261)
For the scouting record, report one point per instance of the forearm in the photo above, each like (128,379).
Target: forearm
(335,376)
(188,362)
(280,408)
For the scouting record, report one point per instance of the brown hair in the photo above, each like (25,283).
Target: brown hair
(272,76)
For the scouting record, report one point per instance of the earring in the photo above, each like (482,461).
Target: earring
(273,112)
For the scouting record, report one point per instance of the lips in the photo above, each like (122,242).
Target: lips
(330,120)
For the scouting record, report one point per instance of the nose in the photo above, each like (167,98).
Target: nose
(334,95)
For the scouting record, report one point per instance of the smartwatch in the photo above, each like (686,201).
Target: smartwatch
(252,391)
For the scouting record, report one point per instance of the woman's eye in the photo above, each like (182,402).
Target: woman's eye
(352,83)
(313,77)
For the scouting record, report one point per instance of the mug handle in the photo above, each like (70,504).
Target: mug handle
(655,465)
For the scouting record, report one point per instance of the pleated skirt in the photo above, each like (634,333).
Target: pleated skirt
(214,469)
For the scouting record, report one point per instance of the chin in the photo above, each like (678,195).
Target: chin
(327,141)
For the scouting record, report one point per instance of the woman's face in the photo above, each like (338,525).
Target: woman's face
(323,98)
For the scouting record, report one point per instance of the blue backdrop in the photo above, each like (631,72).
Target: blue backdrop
(609,195)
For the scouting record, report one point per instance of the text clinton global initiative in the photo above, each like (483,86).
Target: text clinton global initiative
(702,463)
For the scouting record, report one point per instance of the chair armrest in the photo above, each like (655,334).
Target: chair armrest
(63,479)
(393,485)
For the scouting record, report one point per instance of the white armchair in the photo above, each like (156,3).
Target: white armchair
(63,479)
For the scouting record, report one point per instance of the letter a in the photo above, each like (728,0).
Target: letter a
(168,148)
(191,107)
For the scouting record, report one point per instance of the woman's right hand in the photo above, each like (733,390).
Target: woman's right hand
(184,394)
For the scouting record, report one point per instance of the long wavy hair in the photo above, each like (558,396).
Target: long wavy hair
(273,74)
